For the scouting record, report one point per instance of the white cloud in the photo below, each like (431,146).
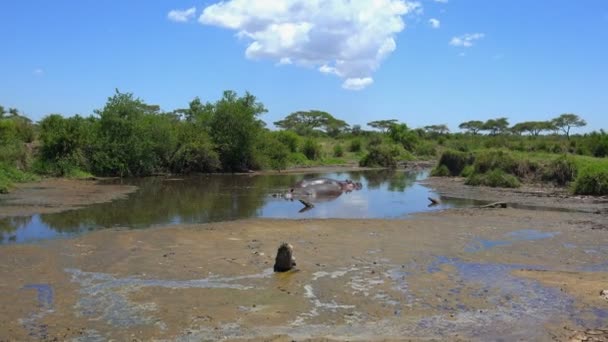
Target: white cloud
(357,83)
(466,40)
(38,72)
(182,16)
(348,39)
(435,23)
(442,1)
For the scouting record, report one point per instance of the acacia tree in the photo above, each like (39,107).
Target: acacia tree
(532,127)
(473,126)
(382,125)
(496,126)
(437,129)
(567,121)
(305,123)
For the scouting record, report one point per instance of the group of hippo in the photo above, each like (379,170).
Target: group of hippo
(322,188)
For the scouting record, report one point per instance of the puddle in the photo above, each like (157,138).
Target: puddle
(386,194)
(478,244)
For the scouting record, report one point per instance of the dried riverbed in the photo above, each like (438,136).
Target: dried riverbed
(480,274)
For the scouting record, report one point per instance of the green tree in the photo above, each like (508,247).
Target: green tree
(382,125)
(401,134)
(234,128)
(309,122)
(567,121)
(437,129)
(496,126)
(473,126)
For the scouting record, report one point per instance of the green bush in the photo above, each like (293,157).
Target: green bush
(495,178)
(467,171)
(383,155)
(441,171)
(195,156)
(425,148)
(297,159)
(277,154)
(455,161)
(10,174)
(338,151)
(561,170)
(494,159)
(592,180)
(289,139)
(311,149)
(355,145)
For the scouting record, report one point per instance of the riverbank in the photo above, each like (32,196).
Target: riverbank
(539,196)
(52,195)
(458,274)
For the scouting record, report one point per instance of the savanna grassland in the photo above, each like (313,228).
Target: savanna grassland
(128,137)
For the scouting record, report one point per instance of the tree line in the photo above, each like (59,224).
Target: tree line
(129,137)
(563,123)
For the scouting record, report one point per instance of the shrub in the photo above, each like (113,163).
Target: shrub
(297,159)
(425,148)
(381,156)
(495,159)
(338,151)
(592,181)
(495,178)
(289,139)
(467,171)
(441,171)
(311,149)
(195,156)
(10,174)
(355,145)
(455,161)
(561,170)
(277,154)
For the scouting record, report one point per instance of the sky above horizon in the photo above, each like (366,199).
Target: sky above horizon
(421,62)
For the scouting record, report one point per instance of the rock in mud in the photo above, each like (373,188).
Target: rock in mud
(285,260)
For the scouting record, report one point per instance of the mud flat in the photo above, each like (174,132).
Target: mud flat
(539,196)
(53,195)
(466,274)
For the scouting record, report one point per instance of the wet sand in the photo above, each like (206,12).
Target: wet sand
(52,195)
(467,274)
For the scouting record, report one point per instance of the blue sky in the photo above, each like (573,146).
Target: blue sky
(533,60)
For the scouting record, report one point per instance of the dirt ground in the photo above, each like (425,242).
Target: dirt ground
(53,195)
(467,274)
(540,196)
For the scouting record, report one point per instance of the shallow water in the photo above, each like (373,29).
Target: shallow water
(212,198)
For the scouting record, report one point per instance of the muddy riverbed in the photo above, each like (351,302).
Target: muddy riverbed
(452,274)
(460,274)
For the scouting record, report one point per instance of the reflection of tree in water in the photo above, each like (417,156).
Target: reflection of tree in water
(8,225)
(395,180)
(162,201)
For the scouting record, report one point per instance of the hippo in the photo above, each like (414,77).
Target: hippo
(321,189)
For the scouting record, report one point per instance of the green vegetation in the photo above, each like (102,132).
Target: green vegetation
(129,137)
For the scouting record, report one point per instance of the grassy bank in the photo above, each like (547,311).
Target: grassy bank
(503,168)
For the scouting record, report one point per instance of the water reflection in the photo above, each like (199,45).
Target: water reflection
(210,198)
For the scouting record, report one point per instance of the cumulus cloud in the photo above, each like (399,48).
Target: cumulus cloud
(466,40)
(435,23)
(182,16)
(348,39)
